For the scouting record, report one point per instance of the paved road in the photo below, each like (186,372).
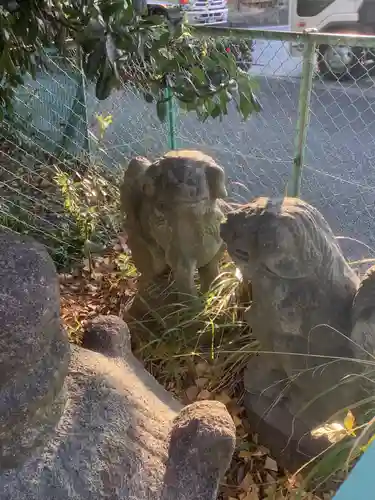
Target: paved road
(339,177)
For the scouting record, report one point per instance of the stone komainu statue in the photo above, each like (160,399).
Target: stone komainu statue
(83,423)
(306,301)
(172,217)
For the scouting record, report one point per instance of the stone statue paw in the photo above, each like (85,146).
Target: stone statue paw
(108,335)
(201,442)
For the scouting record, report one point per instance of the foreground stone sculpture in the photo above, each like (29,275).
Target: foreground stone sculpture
(172,217)
(89,424)
(305,303)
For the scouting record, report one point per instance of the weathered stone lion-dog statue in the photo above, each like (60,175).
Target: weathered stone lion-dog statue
(306,301)
(172,217)
(85,423)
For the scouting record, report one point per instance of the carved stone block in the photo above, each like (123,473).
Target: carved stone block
(83,424)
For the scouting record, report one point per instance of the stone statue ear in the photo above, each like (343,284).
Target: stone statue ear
(285,248)
(137,165)
(216,182)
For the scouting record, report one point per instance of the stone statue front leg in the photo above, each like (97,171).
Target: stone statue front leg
(207,275)
(264,376)
(183,273)
(209,272)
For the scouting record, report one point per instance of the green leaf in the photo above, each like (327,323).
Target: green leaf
(227,61)
(155,20)
(224,97)
(115,7)
(199,74)
(245,106)
(216,111)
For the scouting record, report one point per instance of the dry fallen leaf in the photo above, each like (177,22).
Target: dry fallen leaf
(201,368)
(235,409)
(247,482)
(349,423)
(261,451)
(270,479)
(252,495)
(237,421)
(245,454)
(271,464)
(201,382)
(270,491)
(205,394)
(223,397)
(192,393)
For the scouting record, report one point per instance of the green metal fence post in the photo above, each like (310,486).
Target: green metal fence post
(303,114)
(171,117)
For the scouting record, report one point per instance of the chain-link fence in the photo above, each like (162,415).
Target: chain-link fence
(317,120)
(63,151)
(257,153)
(314,136)
(339,169)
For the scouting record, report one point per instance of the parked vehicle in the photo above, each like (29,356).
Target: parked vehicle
(200,12)
(197,11)
(336,16)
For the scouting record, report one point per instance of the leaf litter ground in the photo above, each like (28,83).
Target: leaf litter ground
(106,285)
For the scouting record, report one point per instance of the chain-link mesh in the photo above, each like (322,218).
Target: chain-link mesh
(339,173)
(59,167)
(257,153)
(53,143)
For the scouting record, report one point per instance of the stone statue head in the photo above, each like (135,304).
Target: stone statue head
(192,177)
(285,237)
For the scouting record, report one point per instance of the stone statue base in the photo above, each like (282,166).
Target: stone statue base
(288,438)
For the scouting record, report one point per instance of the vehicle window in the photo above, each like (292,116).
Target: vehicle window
(309,8)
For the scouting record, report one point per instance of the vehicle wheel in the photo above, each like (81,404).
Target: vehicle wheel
(341,62)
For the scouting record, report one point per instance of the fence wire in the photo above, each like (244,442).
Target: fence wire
(339,173)
(54,141)
(55,155)
(257,154)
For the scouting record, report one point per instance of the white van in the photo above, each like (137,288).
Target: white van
(197,12)
(335,16)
